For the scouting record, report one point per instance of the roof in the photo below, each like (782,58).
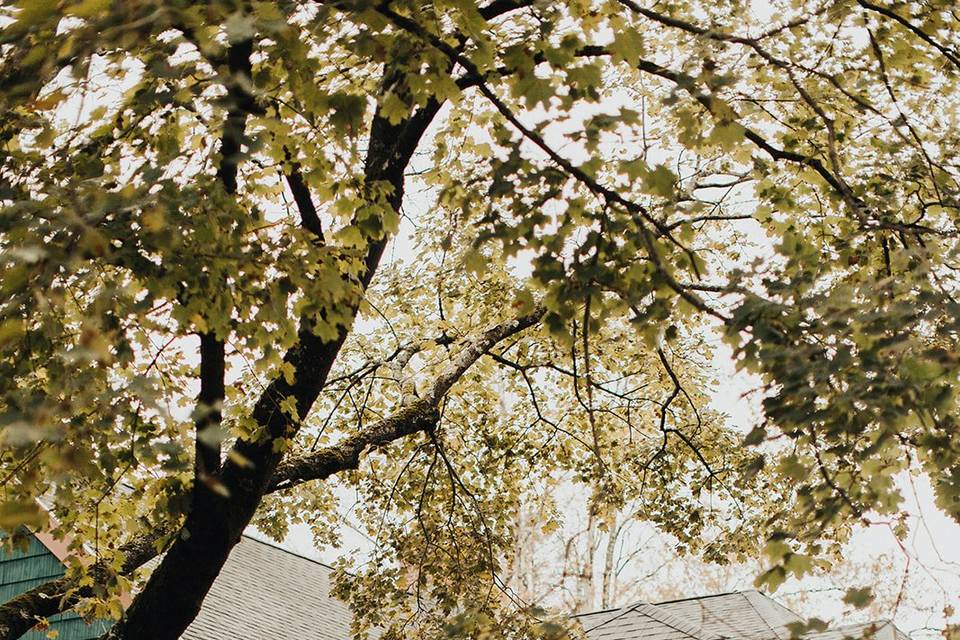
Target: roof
(749,615)
(879,630)
(638,621)
(741,615)
(268,593)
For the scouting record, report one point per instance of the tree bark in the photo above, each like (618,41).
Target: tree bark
(175,591)
(20,614)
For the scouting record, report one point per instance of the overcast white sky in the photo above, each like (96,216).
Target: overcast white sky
(931,555)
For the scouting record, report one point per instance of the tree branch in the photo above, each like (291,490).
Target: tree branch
(20,614)
(952,56)
(610,196)
(209,401)
(499,7)
(212,352)
(421,415)
(309,219)
(176,589)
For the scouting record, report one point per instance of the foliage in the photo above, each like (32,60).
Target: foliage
(583,192)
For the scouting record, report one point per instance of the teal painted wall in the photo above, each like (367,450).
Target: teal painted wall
(24,569)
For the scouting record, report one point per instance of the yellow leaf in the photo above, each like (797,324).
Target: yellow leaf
(15,514)
(10,330)
(89,8)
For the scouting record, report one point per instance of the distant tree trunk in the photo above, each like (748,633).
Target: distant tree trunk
(585,586)
(609,583)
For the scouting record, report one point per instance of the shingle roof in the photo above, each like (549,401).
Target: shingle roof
(743,615)
(267,593)
(880,630)
(639,621)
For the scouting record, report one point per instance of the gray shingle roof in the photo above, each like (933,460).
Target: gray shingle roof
(267,593)
(746,615)
(743,615)
(639,621)
(880,630)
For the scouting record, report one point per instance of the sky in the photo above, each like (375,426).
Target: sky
(914,579)
(926,566)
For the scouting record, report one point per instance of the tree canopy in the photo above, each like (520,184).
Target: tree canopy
(441,254)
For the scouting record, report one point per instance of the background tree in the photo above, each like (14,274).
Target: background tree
(223,179)
(566,566)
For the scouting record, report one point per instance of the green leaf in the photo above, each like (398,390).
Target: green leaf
(348,112)
(859,597)
(771,579)
(757,435)
(660,181)
(26,513)
(10,331)
(627,45)
(88,8)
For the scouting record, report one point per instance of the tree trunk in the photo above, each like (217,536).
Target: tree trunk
(172,597)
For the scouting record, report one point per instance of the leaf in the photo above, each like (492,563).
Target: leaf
(627,45)
(757,435)
(727,134)
(771,579)
(215,485)
(32,12)
(350,236)
(535,91)
(475,261)
(289,372)
(585,77)
(239,460)
(859,597)
(240,26)
(289,406)
(26,513)
(660,181)
(10,331)
(348,112)
(89,8)
(212,436)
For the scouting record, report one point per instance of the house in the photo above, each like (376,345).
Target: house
(742,615)
(267,593)
(263,593)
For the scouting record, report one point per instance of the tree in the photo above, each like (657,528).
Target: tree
(906,581)
(196,331)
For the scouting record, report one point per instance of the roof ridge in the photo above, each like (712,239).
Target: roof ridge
(766,601)
(622,611)
(595,613)
(704,597)
(667,618)
(663,617)
(877,624)
(878,629)
(879,621)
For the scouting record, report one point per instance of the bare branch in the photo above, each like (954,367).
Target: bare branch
(421,415)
